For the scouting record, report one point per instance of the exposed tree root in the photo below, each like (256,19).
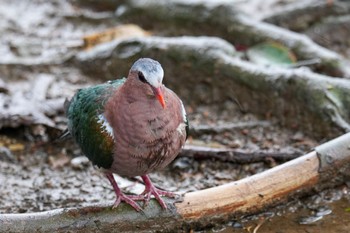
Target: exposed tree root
(235,155)
(222,19)
(210,68)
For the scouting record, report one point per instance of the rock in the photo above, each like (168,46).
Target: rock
(80,162)
(6,155)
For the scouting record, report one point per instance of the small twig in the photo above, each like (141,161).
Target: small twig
(235,155)
(259,225)
(305,63)
(202,129)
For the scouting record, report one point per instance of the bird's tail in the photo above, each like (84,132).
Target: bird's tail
(64,136)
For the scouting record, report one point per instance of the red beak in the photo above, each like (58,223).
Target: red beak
(158,93)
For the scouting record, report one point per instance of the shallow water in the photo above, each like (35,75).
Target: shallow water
(336,219)
(328,211)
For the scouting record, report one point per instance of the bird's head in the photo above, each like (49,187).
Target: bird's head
(150,72)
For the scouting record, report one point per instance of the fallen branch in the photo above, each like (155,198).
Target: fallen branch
(219,128)
(235,155)
(325,167)
(27,106)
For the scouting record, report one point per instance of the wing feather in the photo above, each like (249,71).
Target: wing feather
(87,124)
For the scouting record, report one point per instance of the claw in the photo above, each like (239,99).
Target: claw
(150,190)
(145,196)
(121,196)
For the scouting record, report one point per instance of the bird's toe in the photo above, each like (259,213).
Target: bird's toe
(128,200)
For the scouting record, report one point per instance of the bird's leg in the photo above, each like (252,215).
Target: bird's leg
(150,190)
(120,195)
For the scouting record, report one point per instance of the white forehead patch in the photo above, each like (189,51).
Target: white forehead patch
(151,70)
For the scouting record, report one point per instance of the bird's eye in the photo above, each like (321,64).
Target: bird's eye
(142,77)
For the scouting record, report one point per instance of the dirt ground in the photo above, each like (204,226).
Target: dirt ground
(55,174)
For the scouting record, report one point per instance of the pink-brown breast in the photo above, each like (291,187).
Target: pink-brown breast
(147,137)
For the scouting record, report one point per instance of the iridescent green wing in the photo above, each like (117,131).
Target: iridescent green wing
(88,125)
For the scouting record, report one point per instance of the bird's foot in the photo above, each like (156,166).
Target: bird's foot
(120,195)
(150,190)
(157,193)
(127,199)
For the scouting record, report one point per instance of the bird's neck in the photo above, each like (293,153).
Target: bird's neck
(132,101)
(132,92)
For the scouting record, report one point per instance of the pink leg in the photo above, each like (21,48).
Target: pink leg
(150,190)
(120,195)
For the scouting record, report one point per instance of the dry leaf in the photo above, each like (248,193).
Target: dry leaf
(122,31)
